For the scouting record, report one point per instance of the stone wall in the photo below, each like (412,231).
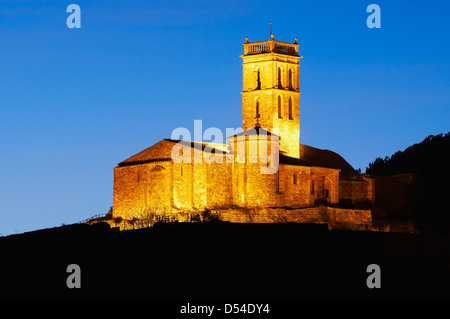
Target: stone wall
(182,185)
(326,184)
(253,180)
(335,218)
(137,187)
(165,186)
(357,190)
(219,185)
(295,192)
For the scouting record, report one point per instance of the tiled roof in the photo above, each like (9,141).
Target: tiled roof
(162,151)
(325,158)
(204,146)
(284,159)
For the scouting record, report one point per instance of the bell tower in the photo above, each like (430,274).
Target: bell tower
(271,94)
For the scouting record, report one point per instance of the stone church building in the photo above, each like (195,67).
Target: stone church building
(265,166)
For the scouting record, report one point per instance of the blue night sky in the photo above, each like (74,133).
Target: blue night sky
(75,102)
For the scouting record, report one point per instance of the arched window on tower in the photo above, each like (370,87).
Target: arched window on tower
(257,108)
(279,107)
(290,79)
(258,80)
(280,84)
(290,109)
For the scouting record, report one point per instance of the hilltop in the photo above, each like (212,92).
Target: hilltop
(221,260)
(427,158)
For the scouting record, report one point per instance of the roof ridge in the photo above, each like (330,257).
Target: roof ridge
(257,129)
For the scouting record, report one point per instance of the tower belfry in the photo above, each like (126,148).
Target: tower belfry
(271,94)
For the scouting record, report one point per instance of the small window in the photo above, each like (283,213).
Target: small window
(290,79)
(312,187)
(258,80)
(294,179)
(280,84)
(181,171)
(279,107)
(257,108)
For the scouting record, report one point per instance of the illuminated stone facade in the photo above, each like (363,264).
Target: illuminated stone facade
(262,167)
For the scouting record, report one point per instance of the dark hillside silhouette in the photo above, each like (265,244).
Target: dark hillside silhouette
(430,161)
(221,260)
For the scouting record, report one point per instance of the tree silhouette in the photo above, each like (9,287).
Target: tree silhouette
(430,160)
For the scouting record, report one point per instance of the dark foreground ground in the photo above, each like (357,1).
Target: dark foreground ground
(222,260)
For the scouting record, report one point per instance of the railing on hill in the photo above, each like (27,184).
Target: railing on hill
(84,221)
